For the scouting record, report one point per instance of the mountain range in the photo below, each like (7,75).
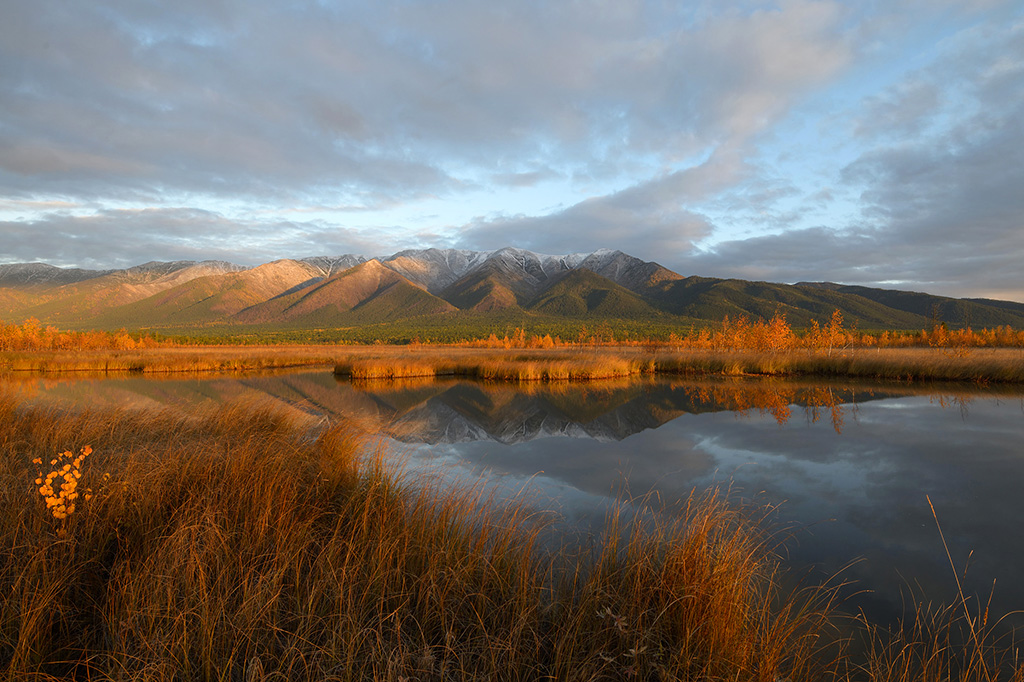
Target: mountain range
(434,288)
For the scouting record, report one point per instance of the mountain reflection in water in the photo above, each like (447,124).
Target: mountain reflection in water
(848,464)
(464,411)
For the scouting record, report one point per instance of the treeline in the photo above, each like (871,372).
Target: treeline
(733,333)
(31,335)
(774,335)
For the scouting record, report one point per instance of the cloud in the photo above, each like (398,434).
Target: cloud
(524,179)
(619,221)
(387,100)
(123,238)
(662,129)
(941,209)
(902,111)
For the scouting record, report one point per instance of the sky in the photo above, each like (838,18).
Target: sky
(878,143)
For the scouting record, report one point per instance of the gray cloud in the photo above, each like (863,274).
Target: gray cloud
(901,111)
(942,210)
(291,110)
(649,219)
(135,237)
(111,100)
(524,179)
(615,221)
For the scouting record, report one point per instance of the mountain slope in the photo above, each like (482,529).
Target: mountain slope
(634,274)
(85,303)
(26,275)
(434,269)
(209,299)
(708,298)
(437,288)
(508,279)
(330,265)
(936,309)
(583,293)
(365,293)
(487,289)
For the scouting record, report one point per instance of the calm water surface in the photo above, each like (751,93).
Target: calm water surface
(848,464)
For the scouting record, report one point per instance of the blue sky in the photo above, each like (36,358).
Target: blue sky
(873,143)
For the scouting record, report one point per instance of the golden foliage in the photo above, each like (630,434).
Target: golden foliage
(67,470)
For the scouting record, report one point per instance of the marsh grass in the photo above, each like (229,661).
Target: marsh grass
(513,366)
(237,541)
(238,544)
(997,365)
(166,360)
(904,364)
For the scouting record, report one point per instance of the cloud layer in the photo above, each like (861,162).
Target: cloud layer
(780,140)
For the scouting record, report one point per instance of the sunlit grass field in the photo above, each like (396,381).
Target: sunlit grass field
(909,364)
(1000,365)
(241,544)
(169,359)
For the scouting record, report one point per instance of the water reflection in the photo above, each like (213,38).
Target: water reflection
(849,464)
(469,411)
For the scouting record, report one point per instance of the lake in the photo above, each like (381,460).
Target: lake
(847,467)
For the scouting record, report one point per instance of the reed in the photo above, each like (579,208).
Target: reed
(544,365)
(907,364)
(168,360)
(236,545)
(496,365)
(240,544)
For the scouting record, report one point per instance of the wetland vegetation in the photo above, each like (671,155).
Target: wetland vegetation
(735,347)
(243,543)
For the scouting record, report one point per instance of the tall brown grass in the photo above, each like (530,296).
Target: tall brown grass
(240,545)
(908,364)
(237,543)
(495,365)
(168,360)
(568,364)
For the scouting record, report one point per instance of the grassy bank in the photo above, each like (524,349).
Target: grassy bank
(237,545)
(914,364)
(234,542)
(168,360)
(904,364)
(494,365)
(561,364)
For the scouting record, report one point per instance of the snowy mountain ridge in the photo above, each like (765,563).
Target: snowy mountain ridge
(447,288)
(431,268)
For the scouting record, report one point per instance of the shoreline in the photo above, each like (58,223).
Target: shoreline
(229,536)
(987,365)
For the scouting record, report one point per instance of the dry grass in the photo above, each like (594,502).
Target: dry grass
(165,360)
(550,365)
(235,543)
(238,545)
(907,364)
(496,365)
(911,364)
